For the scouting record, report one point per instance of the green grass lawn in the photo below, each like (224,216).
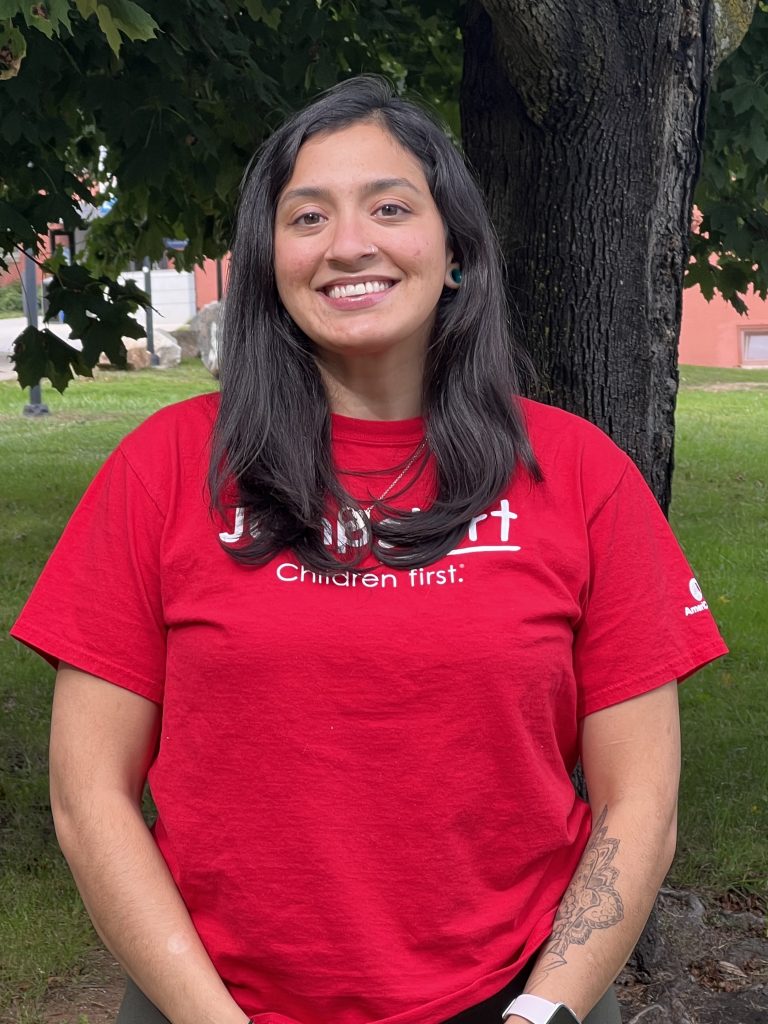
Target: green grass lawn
(45,465)
(707,376)
(720,512)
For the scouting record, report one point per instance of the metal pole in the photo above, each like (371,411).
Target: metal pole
(219,282)
(35,406)
(147,267)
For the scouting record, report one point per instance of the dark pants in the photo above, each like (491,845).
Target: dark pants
(137,1009)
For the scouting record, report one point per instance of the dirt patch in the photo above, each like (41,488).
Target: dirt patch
(710,967)
(94,995)
(91,995)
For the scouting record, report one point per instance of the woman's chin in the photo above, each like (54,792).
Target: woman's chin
(357,346)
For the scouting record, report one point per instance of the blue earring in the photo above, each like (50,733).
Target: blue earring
(456,275)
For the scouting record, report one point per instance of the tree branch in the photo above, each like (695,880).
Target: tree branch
(553,53)
(732,20)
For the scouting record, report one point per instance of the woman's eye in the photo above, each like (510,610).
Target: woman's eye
(308,220)
(391,209)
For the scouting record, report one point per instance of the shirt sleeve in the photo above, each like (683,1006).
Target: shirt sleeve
(644,618)
(98,603)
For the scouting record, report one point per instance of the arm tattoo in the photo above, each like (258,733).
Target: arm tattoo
(590,901)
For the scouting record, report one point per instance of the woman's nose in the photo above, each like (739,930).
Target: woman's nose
(350,241)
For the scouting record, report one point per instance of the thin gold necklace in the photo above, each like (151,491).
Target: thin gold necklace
(388,490)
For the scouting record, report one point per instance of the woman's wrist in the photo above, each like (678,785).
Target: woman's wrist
(528,1008)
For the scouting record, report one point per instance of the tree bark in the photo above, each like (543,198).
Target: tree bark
(584,121)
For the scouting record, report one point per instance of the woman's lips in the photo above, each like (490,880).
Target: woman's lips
(353,302)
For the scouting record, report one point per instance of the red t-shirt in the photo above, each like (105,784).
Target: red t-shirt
(363,783)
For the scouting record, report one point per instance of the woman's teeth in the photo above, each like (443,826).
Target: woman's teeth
(346,291)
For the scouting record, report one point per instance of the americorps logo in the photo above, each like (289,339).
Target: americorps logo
(697,595)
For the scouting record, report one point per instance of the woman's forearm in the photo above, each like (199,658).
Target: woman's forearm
(137,910)
(605,907)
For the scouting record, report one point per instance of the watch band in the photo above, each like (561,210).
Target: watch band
(539,1011)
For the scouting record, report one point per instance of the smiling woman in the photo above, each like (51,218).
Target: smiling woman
(361,260)
(359,671)
(364,190)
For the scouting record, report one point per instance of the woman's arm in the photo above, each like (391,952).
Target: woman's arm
(103,739)
(631,760)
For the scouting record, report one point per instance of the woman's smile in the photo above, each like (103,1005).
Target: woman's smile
(357,293)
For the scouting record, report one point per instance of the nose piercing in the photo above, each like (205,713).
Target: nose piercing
(370,251)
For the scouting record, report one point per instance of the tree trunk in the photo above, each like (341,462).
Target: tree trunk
(584,120)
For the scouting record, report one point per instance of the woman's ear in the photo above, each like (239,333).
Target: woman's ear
(453,275)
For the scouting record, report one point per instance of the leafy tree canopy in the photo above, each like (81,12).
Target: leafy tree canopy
(101,100)
(732,194)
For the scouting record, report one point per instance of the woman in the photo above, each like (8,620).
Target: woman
(360,669)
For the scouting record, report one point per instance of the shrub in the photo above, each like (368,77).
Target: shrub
(10,298)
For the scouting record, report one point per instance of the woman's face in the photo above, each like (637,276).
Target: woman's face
(360,248)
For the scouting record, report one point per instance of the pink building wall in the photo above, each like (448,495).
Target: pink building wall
(712,333)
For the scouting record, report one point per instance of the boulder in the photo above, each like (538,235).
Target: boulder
(137,354)
(187,339)
(210,354)
(167,349)
(205,324)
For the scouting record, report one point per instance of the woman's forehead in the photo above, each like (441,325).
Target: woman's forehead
(359,156)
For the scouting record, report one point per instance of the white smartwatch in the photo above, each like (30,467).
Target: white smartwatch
(540,1011)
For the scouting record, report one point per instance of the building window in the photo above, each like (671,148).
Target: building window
(754,347)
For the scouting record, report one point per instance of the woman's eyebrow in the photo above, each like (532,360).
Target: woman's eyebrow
(382,184)
(371,188)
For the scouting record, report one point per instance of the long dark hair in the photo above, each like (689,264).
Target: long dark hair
(271,452)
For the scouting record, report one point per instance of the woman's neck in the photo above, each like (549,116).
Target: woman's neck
(368,390)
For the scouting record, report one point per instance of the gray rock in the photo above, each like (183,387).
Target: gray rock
(205,325)
(210,353)
(187,339)
(167,349)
